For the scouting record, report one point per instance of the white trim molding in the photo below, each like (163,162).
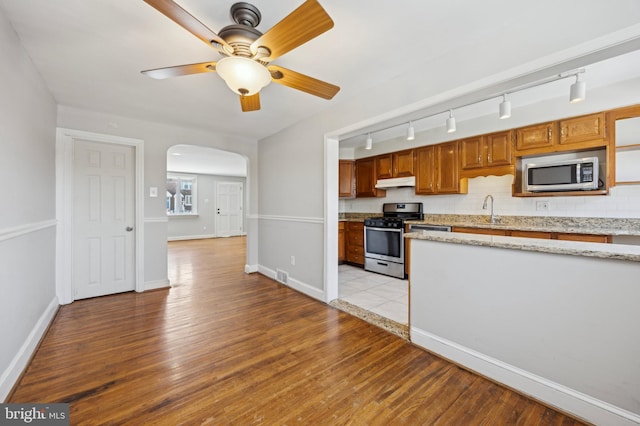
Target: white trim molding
(157,284)
(10,376)
(20,230)
(163,219)
(64,206)
(556,395)
(300,219)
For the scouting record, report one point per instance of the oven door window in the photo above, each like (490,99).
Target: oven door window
(384,242)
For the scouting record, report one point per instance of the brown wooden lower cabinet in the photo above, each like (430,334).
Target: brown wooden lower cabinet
(355,243)
(483,231)
(342,248)
(591,238)
(531,234)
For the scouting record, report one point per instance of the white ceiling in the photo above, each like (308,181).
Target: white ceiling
(204,160)
(90,52)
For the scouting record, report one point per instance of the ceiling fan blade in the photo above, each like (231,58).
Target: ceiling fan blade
(178,70)
(303,24)
(250,103)
(187,21)
(302,82)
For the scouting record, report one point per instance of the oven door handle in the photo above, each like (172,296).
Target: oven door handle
(399,230)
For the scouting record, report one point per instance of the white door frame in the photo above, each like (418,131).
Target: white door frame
(65,139)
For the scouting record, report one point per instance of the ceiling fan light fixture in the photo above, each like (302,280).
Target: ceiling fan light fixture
(244,76)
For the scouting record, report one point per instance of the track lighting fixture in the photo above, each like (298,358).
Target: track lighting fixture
(411,134)
(451,122)
(577,94)
(504,108)
(369,144)
(578,91)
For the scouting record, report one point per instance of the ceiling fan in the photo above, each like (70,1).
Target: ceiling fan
(246,66)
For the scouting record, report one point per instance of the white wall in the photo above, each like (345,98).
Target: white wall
(158,138)
(202,225)
(27,215)
(562,328)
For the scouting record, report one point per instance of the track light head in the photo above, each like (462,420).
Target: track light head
(451,122)
(504,108)
(411,134)
(369,144)
(578,91)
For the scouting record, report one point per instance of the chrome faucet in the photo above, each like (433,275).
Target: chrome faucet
(484,206)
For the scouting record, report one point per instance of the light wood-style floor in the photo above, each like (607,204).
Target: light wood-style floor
(222,347)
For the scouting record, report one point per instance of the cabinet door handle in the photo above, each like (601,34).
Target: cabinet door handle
(479,159)
(488,158)
(549,133)
(562,132)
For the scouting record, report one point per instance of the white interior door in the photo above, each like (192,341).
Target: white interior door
(103,219)
(228,209)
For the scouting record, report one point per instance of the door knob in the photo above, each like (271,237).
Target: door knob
(129,229)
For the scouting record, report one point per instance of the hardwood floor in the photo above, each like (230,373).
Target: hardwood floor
(223,347)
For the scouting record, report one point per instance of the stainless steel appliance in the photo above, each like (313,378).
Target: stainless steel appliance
(567,175)
(384,238)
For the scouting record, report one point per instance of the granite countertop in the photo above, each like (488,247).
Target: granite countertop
(605,251)
(574,225)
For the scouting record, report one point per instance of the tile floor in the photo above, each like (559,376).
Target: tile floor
(381,294)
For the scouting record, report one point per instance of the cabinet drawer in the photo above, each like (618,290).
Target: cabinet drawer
(355,226)
(357,250)
(355,238)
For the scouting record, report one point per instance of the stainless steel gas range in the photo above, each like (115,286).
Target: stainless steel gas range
(384,238)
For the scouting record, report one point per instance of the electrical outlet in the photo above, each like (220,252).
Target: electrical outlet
(293,260)
(542,206)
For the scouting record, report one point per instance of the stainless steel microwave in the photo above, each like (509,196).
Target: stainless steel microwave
(579,174)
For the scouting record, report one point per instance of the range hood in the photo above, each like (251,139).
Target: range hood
(396,182)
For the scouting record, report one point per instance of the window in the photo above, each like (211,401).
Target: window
(181,195)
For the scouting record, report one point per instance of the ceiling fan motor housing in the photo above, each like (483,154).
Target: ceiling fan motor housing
(246,14)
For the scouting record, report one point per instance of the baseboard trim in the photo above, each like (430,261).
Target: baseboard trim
(191,237)
(294,284)
(556,395)
(20,361)
(157,284)
(250,269)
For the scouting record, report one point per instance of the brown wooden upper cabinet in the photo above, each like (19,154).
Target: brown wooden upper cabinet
(346,178)
(539,136)
(395,164)
(366,178)
(587,131)
(588,128)
(425,170)
(487,151)
(437,170)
